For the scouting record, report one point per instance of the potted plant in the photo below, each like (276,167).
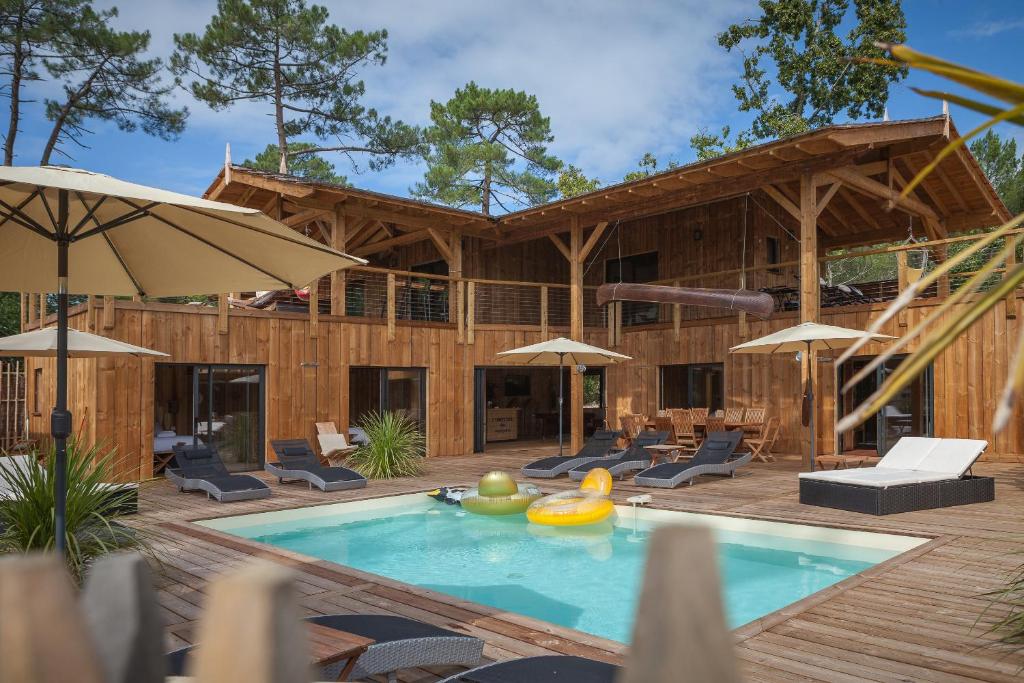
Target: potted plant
(395,447)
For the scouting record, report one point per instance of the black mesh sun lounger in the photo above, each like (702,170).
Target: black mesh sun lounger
(596,447)
(632,459)
(200,468)
(547,669)
(399,643)
(715,456)
(297,461)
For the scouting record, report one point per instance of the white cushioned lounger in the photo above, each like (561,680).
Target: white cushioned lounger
(913,460)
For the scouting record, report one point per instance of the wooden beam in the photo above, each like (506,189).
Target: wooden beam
(454,259)
(809,286)
(222,313)
(217,190)
(303,217)
(858,208)
(592,240)
(827,197)
(278,186)
(338,235)
(576,329)
(557,241)
(441,246)
(358,230)
(108,313)
(412,221)
(782,201)
(877,189)
(384,245)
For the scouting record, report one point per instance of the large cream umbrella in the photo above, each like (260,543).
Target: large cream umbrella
(43,344)
(555,352)
(69,230)
(804,338)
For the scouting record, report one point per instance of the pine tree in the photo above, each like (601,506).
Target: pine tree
(312,166)
(572,182)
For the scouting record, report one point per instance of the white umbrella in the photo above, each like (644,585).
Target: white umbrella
(804,338)
(43,344)
(130,239)
(554,352)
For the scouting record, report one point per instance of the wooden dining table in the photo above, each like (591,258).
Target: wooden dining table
(329,646)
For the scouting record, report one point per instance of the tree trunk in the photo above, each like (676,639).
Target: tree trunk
(485,203)
(17,64)
(282,140)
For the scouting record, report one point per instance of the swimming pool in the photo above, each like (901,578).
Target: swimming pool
(586,578)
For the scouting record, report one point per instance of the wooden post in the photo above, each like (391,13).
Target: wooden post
(677,316)
(108,313)
(1011,262)
(22,310)
(90,312)
(810,288)
(942,284)
(391,306)
(471,313)
(460,311)
(222,313)
(576,329)
(338,240)
(544,312)
(454,272)
(30,304)
(902,281)
(42,309)
(314,308)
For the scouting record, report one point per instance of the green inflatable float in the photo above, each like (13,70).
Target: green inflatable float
(499,494)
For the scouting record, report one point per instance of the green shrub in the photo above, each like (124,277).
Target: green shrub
(27,523)
(396,447)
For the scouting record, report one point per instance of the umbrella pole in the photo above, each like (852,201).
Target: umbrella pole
(810,399)
(60,418)
(561,400)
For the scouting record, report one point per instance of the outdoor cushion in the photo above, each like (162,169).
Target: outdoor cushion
(908,453)
(383,628)
(234,482)
(872,476)
(953,456)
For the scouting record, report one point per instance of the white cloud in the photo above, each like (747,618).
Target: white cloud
(987,29)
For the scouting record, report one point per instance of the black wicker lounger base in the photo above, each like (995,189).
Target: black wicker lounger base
(874,500)
(544,669)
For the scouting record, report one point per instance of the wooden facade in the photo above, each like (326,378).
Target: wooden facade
(769,217)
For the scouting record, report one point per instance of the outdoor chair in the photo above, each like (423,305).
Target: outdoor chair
(399,643)
(714,423)
(754,415)
(734,415)
(682,426)
(632,459)
(297,461)
(199,468)
(716,455)
(543,669)
(700,415)
(762,444)
(631,426)
(918,473)
(596,447)
(334,447)
(663,423)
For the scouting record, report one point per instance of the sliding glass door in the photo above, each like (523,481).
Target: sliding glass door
(696,385)
(908,413)
(401,390)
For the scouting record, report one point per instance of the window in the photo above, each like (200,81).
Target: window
(636,268)
(426,298)
(37,391)
(774,247)
(697,385)
(398,390)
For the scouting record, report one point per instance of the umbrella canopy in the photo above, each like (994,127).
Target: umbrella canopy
(556,351)
(43,343)
(806,337)
(68,230)
(803,337)
(128,239)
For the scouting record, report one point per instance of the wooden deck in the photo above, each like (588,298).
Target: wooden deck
(919,617)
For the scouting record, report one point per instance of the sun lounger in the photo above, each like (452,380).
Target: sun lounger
(200,468)
(918,473)
(716,455)
(630,460)
(297,461)
(399,643)
(598,446)
(546,669)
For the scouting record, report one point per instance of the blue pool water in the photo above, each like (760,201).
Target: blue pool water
(585,579)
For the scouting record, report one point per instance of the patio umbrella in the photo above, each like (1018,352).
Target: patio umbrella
(43,344)
(555,352)
(128,239)
(806,337)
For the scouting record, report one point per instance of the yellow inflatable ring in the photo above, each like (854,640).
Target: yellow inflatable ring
(588,505)
(499,494)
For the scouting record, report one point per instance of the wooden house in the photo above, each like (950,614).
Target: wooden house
(815,220)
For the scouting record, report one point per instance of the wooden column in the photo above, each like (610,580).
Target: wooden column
(576,329)
(222,313)
(810,305)
(338,238)
(544,312)
(902,281)
(454,273)
(108,313)
(42,310)
(31,316)
(314,308)
(90,313)
(1011,262)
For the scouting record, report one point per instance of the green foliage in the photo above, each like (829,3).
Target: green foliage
(303,162)
(488,147)
(816,66)
(10,313)
(572,182)
(1004,168)
(1010,627)
(709,145)
(27,29)
(648,165)
(103,77)
(288,54)
(396,447)
(27,520)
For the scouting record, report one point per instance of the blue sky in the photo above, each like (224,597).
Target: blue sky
(617,78)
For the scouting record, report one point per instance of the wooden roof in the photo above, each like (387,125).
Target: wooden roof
(876,160)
